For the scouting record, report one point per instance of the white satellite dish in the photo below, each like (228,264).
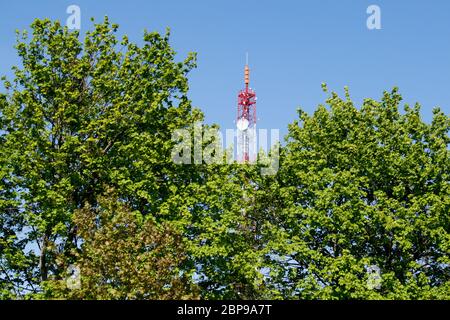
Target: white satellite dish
(242,124)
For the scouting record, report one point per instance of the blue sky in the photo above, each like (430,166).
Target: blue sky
(294,46)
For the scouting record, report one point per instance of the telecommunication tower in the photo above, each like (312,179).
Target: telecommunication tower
(246,121)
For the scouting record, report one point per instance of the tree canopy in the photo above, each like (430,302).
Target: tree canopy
(88,183)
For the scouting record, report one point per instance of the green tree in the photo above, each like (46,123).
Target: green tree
(83,114)
(357,189)
(233,230)
(365,187)
(123,256)
(225,244)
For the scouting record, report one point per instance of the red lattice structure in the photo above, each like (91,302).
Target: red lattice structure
(246,121)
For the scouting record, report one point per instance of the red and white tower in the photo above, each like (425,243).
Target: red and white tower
(246,122)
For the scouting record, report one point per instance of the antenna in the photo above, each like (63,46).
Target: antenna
(247,74)
(246,120)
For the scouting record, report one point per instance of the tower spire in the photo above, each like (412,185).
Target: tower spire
(247,74)
(246,120)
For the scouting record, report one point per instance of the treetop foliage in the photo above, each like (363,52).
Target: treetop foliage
(87,180)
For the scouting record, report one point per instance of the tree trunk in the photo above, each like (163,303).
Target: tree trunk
(43,268)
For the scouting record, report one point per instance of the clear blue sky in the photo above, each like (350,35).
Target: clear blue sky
(294,46)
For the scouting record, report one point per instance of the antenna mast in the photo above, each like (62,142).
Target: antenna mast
(246,120)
